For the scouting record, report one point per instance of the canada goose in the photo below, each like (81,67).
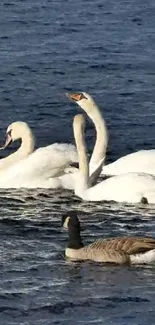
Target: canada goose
(119,250)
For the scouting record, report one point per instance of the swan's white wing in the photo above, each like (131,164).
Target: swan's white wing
(61,153)
(39,167)
(142,161)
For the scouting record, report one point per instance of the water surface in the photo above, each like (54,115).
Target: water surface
(107,49)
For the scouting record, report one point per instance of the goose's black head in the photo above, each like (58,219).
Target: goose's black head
(70,220)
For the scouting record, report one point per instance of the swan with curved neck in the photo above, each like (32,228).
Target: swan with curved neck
(131,187)
(86,102)
(15,131)
(29,168)
(21,130)
(142,161)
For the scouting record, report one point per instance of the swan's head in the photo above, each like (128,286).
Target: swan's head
(16,130)
(84,100)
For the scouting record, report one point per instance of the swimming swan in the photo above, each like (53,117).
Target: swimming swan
(118,250)
(86,102)
(62,179)
(131,187)
(38,170)
(141,161)
(26,165)
(45,167)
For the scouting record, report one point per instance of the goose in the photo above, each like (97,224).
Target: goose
(118,250)
(142,161)
(130,187)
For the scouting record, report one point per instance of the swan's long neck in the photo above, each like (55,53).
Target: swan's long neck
(100,147)
(82,182)
(27,143)
(26,148)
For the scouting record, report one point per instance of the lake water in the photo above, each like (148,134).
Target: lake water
(106,48)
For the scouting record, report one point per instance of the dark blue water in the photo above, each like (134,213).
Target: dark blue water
(106,48)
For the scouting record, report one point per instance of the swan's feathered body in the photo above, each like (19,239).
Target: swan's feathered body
(40,169)
(130,187)
(118,250)
(140,161)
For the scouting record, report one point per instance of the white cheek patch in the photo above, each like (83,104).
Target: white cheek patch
(65,225)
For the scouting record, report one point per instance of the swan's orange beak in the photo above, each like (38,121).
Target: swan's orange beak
(75,96)
(7,141)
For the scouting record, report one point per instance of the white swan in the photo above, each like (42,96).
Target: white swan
(34,171)
(142,161)
(43,168)
(131,187)
(28,168)
(87,104)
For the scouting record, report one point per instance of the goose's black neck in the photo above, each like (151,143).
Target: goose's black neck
(75,241)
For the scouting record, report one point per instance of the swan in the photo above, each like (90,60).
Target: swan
(142,161)
(54,153)
(26,166)
(130,187)
(47,167)
(118,250)
(28,172)
(87,104)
